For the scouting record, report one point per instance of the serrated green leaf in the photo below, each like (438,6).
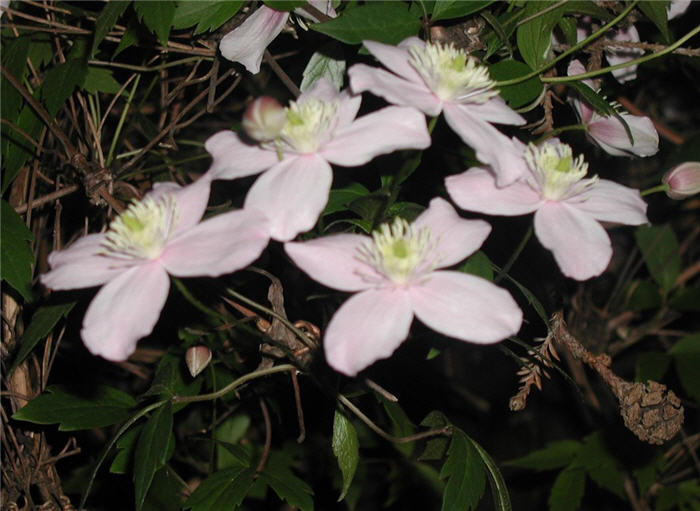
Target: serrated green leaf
(346,449)
(386,22)
(534,37)
(651,365)
(499,490)
(42,322)
(567,490)
(16,257)
(401,425)
(230,432)
(106,20)
(158,17)
(130,38)
(448,9)
(478,264)
(464,472)
(164,494)
(208,15)
(554,455)
(323,65)
(60,82)
(99,79)
(126,445)
(600,465)
(435,447)
(522,93)
(409,211)
(151,450)
(104,406)
(686,355)
(279,476)
(661,253)
(657,12)
(568,26)
(172,379)
(340,198)
(222,491)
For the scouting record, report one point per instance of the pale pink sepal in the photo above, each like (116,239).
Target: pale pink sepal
(191,200)
(612,202)
(396,58)
(610,134)
(368,327)
(125,310)
(466,307)
(233,158)
(621,55)
(247,42)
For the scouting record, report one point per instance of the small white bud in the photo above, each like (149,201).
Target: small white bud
(197,359)
(683,180)
(264,119)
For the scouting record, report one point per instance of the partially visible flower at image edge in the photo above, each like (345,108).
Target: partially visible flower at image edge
(683,180)
(154,237)
(397,274)
(568,207)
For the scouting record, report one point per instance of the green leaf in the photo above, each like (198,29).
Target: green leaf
(279,476)
(600,465)
(222,491)
(323,65)
(447,9)
(501,497)
(19,149)
(104,406)
(346,449)
(42,322)
(522,93)
(164,494)
(99,79)
(172,379)
(686,299)
(568,27)
(567,490)
(16,257)
(401,425)
(531,299)
(60,82)
(651,365)
(435,447)
(386,22)
(106,20)
(230,431)
(340,198)
(660,250)
(464,472)
(656,12)
(208,15)
(126,446)
(534,37)
(646,474)
(643,295)
(686,355)
(151,450)
(406,210)
(14,58)
(284,5)
(555,455)
(478,264)
(157,16)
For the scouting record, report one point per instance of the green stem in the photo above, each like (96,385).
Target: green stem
(571,50)
(120,124)
(654,189)
(502,273)
(234,384)
(196,303)
(640,60)
(572,127)
(431,124)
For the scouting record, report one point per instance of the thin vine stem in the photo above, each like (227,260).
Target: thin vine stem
(655,189)
(562,129)
(120,125)
(196,303)
(514,257)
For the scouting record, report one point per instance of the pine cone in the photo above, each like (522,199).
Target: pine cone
(650,410)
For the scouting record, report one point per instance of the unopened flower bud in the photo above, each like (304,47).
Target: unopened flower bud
(683,180)
(197,359)
(264,119)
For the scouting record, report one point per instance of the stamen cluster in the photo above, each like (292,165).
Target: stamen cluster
(557,174)
(309,124)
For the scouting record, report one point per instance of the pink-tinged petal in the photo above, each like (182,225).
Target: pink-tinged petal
(610,134)
(475,190)
(396,58)
(221,244)
(466,307)
(579,243)
(677,7)
(608,201)
(455,237)
(191,200)
(621,55)
(394,89)
(323,89)
(247,42)
(381,132)
(324,6)
(348,108)
(332,261)
(124,311)
(292,195)
(492,147)
(495,110)
(80,266)
(368,327)
(233,158)
(577,68)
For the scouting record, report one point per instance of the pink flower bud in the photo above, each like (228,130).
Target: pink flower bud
(197,359)
(264,119)
(683,180)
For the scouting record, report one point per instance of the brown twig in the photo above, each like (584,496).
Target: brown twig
(268,437)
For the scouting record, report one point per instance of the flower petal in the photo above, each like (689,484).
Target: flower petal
(394,89)
(621,55)
(332,261)
(395,58)
(496,110)
(475,190)
(456,237)
(233,158)
(124,311)
(491,146)
(381,132)
(610,133)
(80,266)
(191,200)
(292,195)
(466,307)
(221,244)
(579,243)
(608,201)
(368,327)
(247,42)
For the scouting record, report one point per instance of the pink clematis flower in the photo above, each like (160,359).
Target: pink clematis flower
(246,43)
(159,235)
(567,207)
(609,132)
(396,276)
(320,128)
(436,78)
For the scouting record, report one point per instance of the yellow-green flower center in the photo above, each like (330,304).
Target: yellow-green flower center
(399,252)
(309,124)
(451,74)
(557,174)
(142,231)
